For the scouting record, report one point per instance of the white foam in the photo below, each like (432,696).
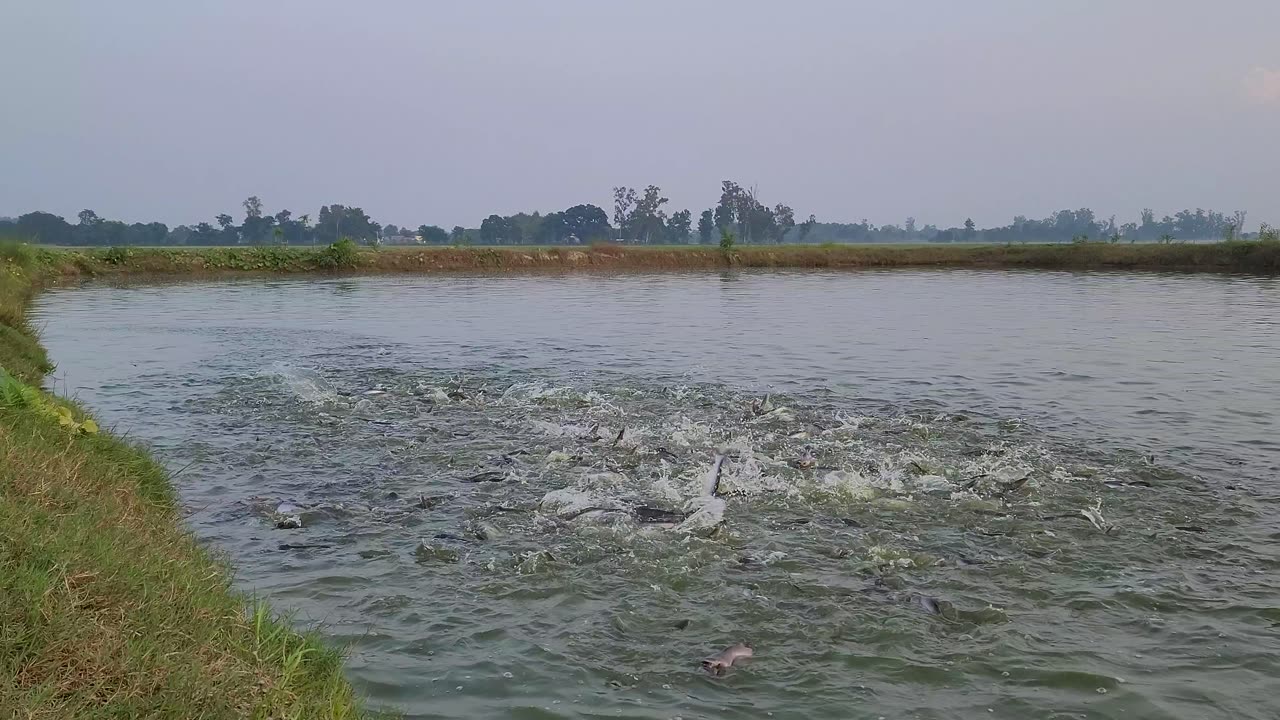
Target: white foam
(568,501)
(708,517)
(933,483)
(848,484)
(304,384)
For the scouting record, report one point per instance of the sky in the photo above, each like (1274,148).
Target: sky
(434,112)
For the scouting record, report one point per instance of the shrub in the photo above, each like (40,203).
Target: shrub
(342,254)
(117,255)
(18,253)
(726,241)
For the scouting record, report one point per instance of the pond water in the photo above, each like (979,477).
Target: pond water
(966,495)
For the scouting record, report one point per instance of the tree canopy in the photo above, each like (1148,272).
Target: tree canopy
(639,216)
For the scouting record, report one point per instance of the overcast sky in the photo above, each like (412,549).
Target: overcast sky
(443,112)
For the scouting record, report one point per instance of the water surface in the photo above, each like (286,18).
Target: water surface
(1076,469)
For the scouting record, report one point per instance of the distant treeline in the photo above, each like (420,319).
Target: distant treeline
(639,217)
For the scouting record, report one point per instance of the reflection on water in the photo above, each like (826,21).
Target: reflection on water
(968,495)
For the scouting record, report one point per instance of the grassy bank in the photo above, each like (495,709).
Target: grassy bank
(1258,257)
(108,609)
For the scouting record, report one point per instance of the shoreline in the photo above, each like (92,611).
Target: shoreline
(1240,256)
(108,604)
(119,610)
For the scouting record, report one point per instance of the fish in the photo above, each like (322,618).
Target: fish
(486,531)
(1094,515)
(599,515)
(935,606)
(427,552)
(805,461)
(287,516)
(426,502)
(711,485)
(720,663)
(658,515)
(665,454)
(928,604)
(763,406)
(289,522)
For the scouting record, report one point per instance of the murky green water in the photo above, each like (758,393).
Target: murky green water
(971,495)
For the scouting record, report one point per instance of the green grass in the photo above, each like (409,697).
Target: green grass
(1238,256)
(108,608)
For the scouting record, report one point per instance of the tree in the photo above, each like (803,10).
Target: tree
(252,207)
(552,230)
(458,234)
(1237,219)
(679,227)
(910,228)
(256,227)
(969,232)
(755,221)
(726,209)
(807,226)
(624,199)
(706,225)
(586,222)
(204,234)
(43,227)
(152,233)
(524,226)
(433,234)
(785,219)
(304,222)
(391,230)
(495,230)
(338,221)
(648,221)
(88,232)
(282,217)
(229,235)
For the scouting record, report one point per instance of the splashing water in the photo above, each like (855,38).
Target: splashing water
(904,529)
